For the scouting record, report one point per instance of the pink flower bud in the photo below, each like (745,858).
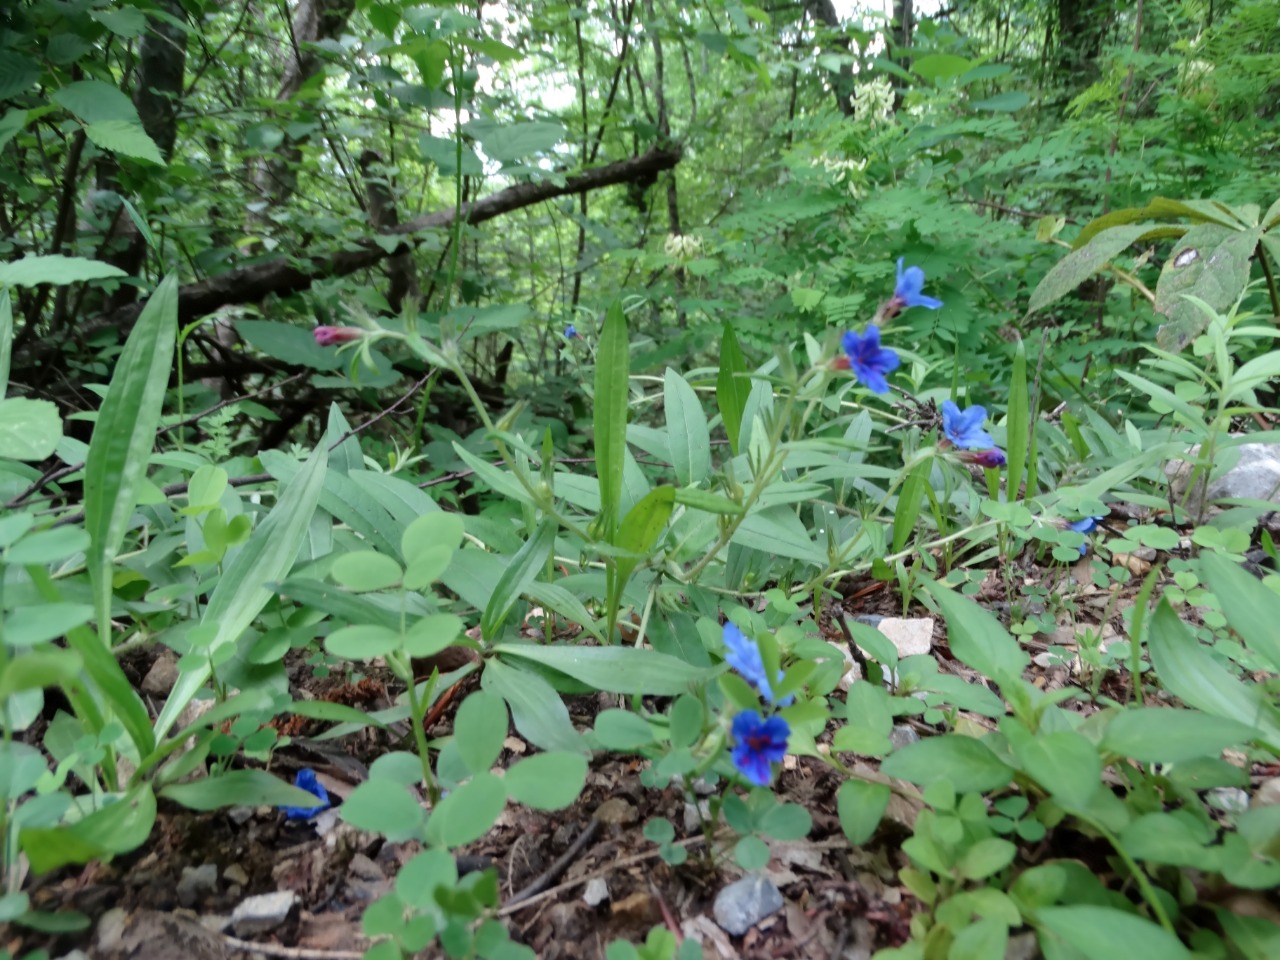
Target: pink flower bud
(990,459)
(328,336)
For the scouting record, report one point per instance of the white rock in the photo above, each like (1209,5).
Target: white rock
(911,637)
(263,913)
(597,892)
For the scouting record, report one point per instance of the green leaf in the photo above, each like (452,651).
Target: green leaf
(786,821)
(537,711)
(124,137)
(507,142)
(6,336)
(777,531)
(733,386)
(285,341)
(640,530)
(967,763)
(363,641)
(611,394)
(941,66)
(1018,427)
(613,669)
(93,101)
(479,729)
(977,638)
(499,481)
(1006,102)
(910,498)
(986,857)
(687,432)
(39,623)
(1187,670)
(467,813)
(430,532)
(622,730)
(364,570)
(123,437)
(386,807)
(860,806)
(708,502)
(17,73)
(547,781)
(1252,609)
(1104,933)
(119,827)
(57,270)
(245,586)
(238,788)
(1064,763)
(1079,265)
(1211,263)
(29,429)
(1171,735)
(985,939)
(523,569)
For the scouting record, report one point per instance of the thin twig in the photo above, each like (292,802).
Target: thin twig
(295,953)
(544,879)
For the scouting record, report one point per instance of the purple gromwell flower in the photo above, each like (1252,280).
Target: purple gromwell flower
(758,744)
(869,361)
(571,332)
(909,290)
(329,336)
(992,459)
(306,780)
(964,427)
(1086,526)
(744,656)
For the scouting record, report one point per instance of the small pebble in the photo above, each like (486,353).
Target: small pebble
(902,735)
(597,892)
(741,905)
(1229,799)
(197,881)
(263,913)
(235,874)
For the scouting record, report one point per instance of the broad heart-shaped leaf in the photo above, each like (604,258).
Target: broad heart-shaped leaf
(245,585)
(1171,735)
(687,433)
(547,781)
(1252,610)
(29,429)
(524,568)
(467,813)
(733,386)
(967,763)
(236,788)
(860,805)
(1211,263)
(1104,933)
(119,827)
(1079,265)
(58,270)
(1186,670)
(613,669)
(537,710)
(613,364)
(123,437)
(977,638)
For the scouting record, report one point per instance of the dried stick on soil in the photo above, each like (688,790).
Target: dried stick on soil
(544,879)
(292,953)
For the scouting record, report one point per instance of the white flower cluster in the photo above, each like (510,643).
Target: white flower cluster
(873,102)
(849,172)
(683,247)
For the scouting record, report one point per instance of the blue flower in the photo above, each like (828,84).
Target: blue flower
(909,290)
(744,656)
(571,332)
(1085,525)
(869,361)
(964,427)
(306,780)
(758,744)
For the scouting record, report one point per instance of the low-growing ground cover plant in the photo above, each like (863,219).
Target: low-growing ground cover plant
(851,548)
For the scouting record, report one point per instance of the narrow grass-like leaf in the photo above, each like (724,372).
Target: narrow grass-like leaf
(613,669)
(245,586)
(733,386)
(613,364)
(521,572)
(6,339)
(909,501)
(123,437)
(1018,423)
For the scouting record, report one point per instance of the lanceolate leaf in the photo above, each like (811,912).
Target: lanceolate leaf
(689,438)
(612,369)
(1079,265)
(521,572)
(733,386)
(245,586)
(123,437)
(612,669)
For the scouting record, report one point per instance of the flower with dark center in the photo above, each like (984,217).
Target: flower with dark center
(758,744)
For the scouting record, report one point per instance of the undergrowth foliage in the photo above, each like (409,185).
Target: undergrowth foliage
(664,494)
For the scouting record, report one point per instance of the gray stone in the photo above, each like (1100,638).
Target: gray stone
(196,881)
(1255,476)
(696,816)
(903,735)
(263,913)
(596,893)
(741,905)
(1228,799)
(235,874)
(162,675)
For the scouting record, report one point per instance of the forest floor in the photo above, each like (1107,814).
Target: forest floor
(571,881)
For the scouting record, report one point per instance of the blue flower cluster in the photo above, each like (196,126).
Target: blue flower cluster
(758,742)
(962,429)
(871,363)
